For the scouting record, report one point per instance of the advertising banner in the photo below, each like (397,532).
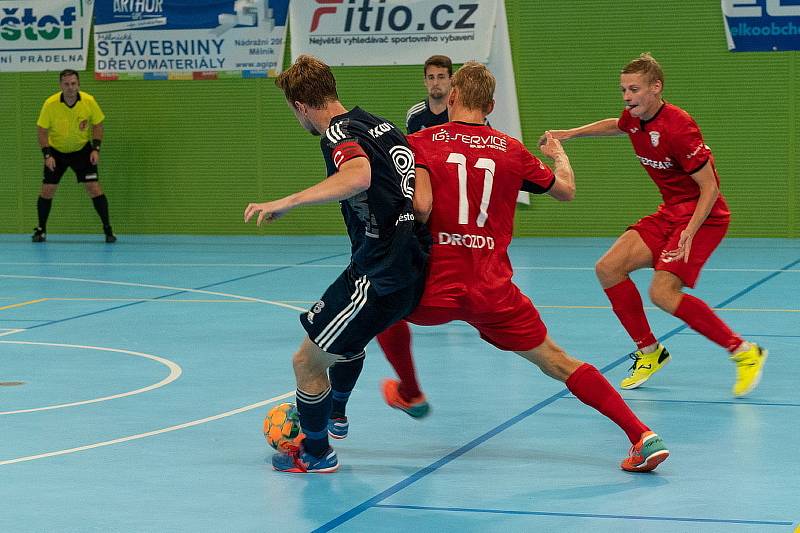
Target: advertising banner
(762,25)
(41,35)
(392,32)
(176,39)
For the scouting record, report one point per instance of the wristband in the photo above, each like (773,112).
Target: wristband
(96,144)
(47,152)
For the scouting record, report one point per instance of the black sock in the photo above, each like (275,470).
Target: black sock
(43,206)
(101,206)
(344,374)
(314,409)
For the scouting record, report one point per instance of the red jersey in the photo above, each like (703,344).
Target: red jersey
(476,173)
(670,147)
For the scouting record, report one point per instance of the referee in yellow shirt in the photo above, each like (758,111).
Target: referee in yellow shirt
(70,129)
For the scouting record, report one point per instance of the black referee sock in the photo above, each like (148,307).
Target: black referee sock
(101,206)
(314,409)
(344,374)
(43,206)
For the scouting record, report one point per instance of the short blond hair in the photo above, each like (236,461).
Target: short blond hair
(647,65)
(309,81)
(475,84)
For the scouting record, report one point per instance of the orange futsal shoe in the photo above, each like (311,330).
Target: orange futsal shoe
(416,408)
(646,454)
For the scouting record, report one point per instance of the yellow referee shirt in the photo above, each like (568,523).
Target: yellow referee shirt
(69,128)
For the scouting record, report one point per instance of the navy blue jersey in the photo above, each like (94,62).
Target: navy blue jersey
(380,220)
(420,116)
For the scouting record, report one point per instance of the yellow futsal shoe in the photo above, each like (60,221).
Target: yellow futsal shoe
(644,366)
(749,367)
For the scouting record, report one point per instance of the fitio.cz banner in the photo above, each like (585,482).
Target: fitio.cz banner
(407,32)
(392,32)
(762,25)
(41,35)
(201,39)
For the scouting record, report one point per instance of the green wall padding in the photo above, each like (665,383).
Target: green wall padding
(186,156)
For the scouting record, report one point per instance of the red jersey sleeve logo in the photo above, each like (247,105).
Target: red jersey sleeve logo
(347,151)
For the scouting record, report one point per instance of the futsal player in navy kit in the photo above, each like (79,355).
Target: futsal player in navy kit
(371,173)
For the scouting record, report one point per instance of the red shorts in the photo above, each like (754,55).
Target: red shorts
(660,233)
(510,323)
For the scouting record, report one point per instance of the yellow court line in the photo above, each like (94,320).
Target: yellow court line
(24,303)
(737,309)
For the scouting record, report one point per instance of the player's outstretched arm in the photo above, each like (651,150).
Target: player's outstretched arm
(354,176)
(601,128)
(564,187)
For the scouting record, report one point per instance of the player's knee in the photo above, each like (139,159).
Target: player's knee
(605,270)
(663,296)
(303,363)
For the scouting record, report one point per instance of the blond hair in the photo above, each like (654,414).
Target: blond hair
(309,81)
(647,65)
(475,86)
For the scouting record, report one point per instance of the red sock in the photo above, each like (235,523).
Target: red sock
(395,341)
(627,305)
(699,316)
(590,387)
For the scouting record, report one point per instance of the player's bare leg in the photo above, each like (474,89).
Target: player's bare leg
(590,387)
(314,406)
(627,254)
(749,357)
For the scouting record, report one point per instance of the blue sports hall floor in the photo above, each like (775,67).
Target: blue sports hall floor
(135,378)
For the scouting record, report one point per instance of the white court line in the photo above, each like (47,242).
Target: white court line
(174,373)
(163,430)
(149,433)
(224,265)
(164,287)
(339,266)
(4,332)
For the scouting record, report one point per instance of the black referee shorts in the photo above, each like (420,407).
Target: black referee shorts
(78,161)
(351,313)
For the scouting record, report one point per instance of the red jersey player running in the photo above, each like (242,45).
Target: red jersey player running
(473,174)
(676,240)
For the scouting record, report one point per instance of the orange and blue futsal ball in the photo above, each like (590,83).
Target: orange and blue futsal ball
(282,427)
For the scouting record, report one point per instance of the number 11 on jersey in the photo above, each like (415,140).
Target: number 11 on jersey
(488,166)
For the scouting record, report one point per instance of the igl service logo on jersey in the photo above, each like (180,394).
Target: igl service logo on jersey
(38,35)
(474,141)
(374,32)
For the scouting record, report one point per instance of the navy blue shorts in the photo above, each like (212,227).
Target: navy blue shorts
(351,313)
(78,161)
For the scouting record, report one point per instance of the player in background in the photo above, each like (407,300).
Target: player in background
(432,111)
(678,238)
(468,177)
(371,173)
